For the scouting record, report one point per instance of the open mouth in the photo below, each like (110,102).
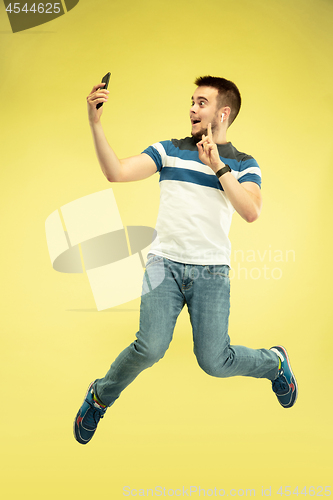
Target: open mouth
(194,122)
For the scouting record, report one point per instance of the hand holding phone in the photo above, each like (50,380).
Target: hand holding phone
(95,99)
(105,80)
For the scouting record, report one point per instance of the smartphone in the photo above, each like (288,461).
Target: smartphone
(105,80)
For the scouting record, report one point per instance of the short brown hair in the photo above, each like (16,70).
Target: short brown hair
(228,93)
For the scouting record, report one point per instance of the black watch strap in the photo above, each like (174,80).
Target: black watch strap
(223,170)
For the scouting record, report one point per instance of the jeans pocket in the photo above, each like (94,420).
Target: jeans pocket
(218,270)
(153,259)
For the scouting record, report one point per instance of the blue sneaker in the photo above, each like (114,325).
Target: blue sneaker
(87,418)
(285,385)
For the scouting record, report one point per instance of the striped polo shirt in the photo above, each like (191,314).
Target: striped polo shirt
(195,214)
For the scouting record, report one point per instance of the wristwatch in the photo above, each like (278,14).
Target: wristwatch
(223,170)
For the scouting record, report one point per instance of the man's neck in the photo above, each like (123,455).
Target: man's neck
(220,137)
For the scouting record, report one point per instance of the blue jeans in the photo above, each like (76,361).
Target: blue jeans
(206,292)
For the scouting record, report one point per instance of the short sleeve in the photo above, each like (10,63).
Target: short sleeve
(153,152)
(250,171)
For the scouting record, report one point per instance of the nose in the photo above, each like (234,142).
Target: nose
(193,108)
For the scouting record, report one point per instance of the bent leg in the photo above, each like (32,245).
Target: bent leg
(159,311)
(209,305)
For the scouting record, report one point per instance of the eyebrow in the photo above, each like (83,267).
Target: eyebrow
(200,98)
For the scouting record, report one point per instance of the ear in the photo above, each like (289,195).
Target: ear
(225,111)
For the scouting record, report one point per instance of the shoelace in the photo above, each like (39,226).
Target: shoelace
(93,416)
(280,384)
(98,416)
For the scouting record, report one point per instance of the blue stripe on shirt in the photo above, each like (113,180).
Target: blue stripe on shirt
(155,155)
(186,154)
(198,177)
(186,175)
(251,178)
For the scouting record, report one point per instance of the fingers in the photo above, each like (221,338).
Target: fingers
(209,137)
(95,87)
(206,142)
(98,88)
(96,98)
(204,138)
(205,145)
(98,94)
(208,152)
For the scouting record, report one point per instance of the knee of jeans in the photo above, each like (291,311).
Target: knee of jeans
(151,353)
(212,365)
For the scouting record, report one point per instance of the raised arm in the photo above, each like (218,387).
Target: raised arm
(133,168)
(246,197)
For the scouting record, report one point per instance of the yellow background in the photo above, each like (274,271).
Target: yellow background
(174,426)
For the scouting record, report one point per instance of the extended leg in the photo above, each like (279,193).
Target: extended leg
(209,302)
(159,311)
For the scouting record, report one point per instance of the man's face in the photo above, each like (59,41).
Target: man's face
(204,110)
